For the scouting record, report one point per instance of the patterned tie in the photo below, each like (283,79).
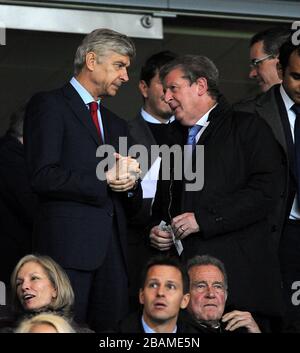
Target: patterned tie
(193,131)
(296,109)
(94,113)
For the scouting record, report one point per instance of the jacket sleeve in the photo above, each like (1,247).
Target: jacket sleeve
(259,187)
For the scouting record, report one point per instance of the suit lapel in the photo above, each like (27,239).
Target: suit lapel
(267,107)
(80,111)
(111,136)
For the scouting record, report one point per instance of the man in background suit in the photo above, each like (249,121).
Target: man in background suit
(81,221)
(150,127)
(276,108)
(264,52)
(17,201)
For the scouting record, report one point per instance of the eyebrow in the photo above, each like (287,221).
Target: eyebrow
(205,282)
(119,62)
(167,281)
(294,73)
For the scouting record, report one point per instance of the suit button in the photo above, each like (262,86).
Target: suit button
(282,195)
(219,219)
(110,213)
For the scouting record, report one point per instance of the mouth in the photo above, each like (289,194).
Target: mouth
(27,297)
(210,305)
(160,305)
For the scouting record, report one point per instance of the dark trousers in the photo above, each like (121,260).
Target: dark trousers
(101,296)
(289,252)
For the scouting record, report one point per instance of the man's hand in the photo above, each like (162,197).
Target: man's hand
(184,225)
(236,319)
(124,174)
(160,239)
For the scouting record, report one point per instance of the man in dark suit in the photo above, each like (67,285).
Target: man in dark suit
(227,217)
(164,291)
(276,108)
(81,221)
(149,128)
(17,201)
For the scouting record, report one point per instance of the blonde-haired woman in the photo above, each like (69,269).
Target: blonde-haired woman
(38,283)
(45,323)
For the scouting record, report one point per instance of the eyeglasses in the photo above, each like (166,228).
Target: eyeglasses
(256,62)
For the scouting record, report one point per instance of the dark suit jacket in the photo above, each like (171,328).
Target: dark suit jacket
(77,211)
(17,206)
(142,135)
(241,170)
(270,107)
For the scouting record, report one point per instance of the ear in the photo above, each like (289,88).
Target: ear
(141,296)
(226,295)
(185,301)
(143,88)
(54,294)
(90,61)
(279,70)
(202,85)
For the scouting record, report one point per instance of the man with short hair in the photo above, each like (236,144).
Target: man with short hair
(264,52)
(82,221)
(164,291)
(227,217)
(150,127)
(208,295)
(278,107)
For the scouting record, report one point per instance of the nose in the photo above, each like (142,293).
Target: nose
(25,285)
(252,72)
(167,97)
(160,291)
(124,76)
(210,292)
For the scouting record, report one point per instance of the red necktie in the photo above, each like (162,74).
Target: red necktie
(94,113)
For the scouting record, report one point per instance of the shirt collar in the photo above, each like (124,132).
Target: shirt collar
(147,329)
(203,120)
(150,119)
(82,91)
(288,102)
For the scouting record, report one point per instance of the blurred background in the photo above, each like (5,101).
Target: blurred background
(39,38)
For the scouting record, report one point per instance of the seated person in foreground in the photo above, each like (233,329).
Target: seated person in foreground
(163,292)
(208,295)
(39,284)
(45,323)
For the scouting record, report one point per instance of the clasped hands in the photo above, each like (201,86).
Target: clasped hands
(124,174)
(182,226)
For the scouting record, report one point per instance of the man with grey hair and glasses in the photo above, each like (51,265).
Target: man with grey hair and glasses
(81,221)
(208,295)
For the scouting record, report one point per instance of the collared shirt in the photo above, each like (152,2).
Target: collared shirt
(288,102)
(203,122)
(150,119)
(88,98)
(147,329)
